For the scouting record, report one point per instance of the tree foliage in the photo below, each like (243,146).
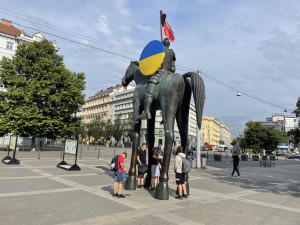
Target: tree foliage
(256,136)
(42,95)
(297,110)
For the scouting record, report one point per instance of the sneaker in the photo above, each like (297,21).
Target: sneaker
(139,186)
(115,195)
(121,196)
(178,197)
(184,196)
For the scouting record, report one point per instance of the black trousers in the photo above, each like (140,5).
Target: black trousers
(235,168)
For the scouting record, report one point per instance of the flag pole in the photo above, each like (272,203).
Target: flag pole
(161,36)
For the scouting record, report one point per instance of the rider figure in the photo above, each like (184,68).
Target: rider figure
(168,66)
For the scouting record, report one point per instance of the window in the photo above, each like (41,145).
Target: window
(9,45)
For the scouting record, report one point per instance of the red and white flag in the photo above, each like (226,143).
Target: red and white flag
(169,32)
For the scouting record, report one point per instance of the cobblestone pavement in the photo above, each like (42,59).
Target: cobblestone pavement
(37,192)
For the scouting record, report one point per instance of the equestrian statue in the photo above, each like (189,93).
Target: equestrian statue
(171,93)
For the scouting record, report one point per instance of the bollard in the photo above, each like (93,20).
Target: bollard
(98,153)
(61,153)
(80,152)
(39,150)
(226,155)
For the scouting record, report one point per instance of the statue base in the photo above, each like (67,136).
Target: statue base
(130,183)
(162,191)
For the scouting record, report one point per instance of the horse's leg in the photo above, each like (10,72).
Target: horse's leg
(182,118)
(168,113)
(150,142)
(130,183)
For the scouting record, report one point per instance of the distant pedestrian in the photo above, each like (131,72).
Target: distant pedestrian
(179,175)
(119,176)
(141,161)
(235,160)
(155,171)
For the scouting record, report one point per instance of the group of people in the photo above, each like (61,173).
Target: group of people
(157,161)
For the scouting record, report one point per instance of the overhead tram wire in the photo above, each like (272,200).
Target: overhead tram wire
(109,52)
(76,42)
(234,89)
(295,35)
(57,28)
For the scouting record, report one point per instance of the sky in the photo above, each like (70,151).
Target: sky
(252,47)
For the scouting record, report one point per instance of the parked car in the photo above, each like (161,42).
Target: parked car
(295,156)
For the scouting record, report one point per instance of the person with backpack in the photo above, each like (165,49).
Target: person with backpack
(179,173)
(235,160)
(119,171)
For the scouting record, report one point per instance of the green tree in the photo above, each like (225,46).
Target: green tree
(294,136)
(42,96)
(256,136)
(118,128)
(221,142)
(297,110)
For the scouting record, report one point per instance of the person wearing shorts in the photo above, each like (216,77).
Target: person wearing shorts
(119,176)
(155,171)
(179,175)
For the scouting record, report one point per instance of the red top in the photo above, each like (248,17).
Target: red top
(120,160)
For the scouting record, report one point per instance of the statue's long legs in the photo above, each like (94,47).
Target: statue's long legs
(150,144)
(130,183)
(162,190)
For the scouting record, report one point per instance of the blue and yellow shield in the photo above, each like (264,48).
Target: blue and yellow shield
(151,58)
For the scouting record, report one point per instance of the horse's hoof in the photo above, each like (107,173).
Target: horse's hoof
(162,191)
(130,183)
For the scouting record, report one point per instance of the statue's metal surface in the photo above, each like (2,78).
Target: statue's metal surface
(172,96)
(168,66)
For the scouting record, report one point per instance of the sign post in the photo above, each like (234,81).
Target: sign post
(12,146)
(71,148)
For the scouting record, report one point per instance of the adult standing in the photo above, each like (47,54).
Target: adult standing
(119,176)
(235,160)
(155,170)
(141,160)
(179,175)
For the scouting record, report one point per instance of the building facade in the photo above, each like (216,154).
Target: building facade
(11,37)
(210,131)
(225,134)
(282,122)
(97,106)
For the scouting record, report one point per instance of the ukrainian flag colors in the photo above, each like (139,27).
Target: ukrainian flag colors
(151,58)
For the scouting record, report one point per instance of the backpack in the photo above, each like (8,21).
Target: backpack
(186,165)
(114,163)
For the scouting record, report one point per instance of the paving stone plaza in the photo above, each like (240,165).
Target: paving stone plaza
(37,192)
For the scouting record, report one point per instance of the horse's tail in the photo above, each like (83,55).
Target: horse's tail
(198,89)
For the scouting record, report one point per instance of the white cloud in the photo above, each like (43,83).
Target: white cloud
(102,26)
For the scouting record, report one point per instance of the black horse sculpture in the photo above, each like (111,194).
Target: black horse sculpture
(172,96)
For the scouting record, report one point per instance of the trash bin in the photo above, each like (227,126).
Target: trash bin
(203,161)
(194,163)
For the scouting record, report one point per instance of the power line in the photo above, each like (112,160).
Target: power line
(76,42)
(236,90)
(182,68)
(66,31)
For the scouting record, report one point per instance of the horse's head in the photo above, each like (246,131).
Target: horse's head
(128,77)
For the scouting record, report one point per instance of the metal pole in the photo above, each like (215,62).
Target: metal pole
(160,27)
(98,152)
(198,150)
